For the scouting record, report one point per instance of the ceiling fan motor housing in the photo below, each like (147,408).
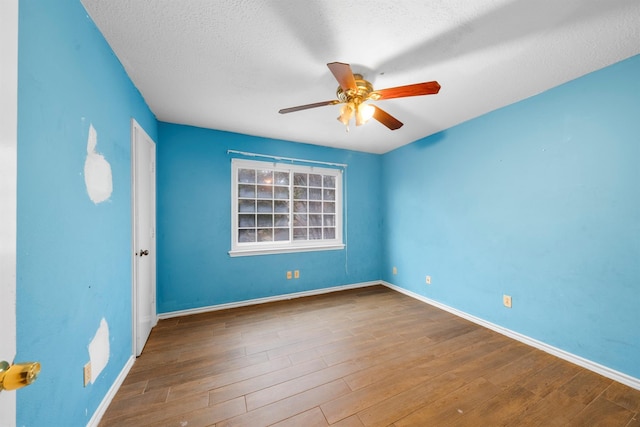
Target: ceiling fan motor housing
(363,91)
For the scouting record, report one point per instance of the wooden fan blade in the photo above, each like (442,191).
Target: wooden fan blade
(426,88)
(307,106)
(386,119)
(343,74)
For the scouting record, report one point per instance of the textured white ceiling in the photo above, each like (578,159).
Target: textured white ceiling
(232,64)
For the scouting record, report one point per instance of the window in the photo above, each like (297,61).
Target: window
(280,208)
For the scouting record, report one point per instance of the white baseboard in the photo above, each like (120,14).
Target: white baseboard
(245,303)
(97,416)
(562,354)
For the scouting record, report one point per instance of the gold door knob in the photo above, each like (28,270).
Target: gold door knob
(18,375)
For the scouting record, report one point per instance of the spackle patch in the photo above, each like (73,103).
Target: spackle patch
(97,171)
(99,350)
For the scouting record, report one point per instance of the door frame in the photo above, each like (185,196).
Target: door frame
(136,130)
(8,194)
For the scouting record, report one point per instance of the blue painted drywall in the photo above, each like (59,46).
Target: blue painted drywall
(539,200)
(194,223)
(73,256)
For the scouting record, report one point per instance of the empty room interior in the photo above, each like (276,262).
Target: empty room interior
(320,213)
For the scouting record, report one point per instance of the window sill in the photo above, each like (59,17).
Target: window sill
(284,250)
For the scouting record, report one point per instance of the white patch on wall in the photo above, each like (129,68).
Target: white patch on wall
(99,350)
(97,171)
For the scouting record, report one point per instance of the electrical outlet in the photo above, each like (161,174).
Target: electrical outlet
(506,300)
(395,270)
(296,274)
(289,275)
(87,373)
(428,280)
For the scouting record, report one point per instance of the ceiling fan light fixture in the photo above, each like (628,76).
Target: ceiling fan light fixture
(364,113)
(346,113)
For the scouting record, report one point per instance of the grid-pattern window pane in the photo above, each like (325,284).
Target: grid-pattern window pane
(310,222)
(262,205)
(279,204)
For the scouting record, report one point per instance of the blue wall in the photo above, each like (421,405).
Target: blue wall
(73,256)
(194,223)
(539,200)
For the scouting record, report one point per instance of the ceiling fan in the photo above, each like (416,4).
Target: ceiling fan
(354,91)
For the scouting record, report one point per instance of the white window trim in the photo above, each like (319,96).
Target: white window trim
(266,248)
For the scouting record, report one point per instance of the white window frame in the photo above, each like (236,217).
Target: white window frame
(277,247)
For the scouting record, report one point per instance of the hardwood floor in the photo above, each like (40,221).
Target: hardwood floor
(364,357)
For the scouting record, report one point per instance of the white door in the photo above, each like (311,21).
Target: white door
(8,194)
(144,237)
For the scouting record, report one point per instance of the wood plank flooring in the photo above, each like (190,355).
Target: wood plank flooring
(364,357)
